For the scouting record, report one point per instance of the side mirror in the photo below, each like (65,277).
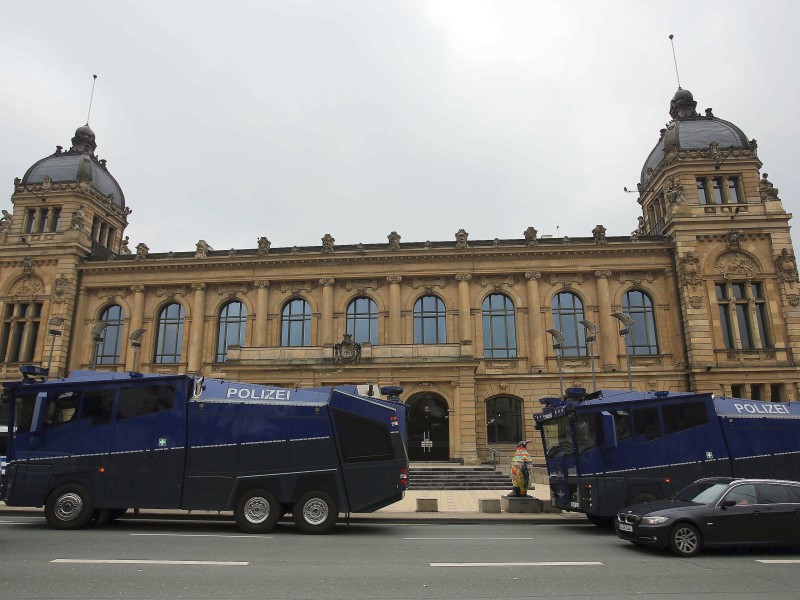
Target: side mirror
(727,504)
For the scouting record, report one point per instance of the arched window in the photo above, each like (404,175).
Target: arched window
(429,321)
(567,314)
(362,320)
(232,328)
(499,329)
(169,338)
(639,306)
(503,420)
(108,350)
(296,323)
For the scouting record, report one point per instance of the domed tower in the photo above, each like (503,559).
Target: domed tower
(701,187)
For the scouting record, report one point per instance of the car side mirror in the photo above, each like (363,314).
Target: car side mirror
(727,504)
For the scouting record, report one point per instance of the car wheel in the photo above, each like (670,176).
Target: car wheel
(68,507)
(684,540)
(315,512)
(257,511)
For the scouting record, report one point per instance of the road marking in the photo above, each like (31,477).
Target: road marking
(779,561)
(478,539)
(255,537)
(519,564)
(88,561)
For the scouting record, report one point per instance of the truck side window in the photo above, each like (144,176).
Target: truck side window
(362,440)
(622,424)
(645,421)
(97,406)
(60,407)
(23,412)
(138,401)
(678,417)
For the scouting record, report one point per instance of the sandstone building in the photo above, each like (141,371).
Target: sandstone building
(708,279)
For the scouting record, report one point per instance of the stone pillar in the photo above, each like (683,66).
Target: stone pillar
(536,342)
(608,330)
(465,415)
(195,361)
(137,319)
(394,308)
(464,318)
(326,327)
(262,307)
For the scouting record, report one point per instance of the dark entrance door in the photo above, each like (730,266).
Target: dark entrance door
(428,428)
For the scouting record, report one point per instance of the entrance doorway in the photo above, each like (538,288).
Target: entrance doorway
(428,428)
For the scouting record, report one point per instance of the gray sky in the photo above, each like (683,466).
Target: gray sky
(229,121)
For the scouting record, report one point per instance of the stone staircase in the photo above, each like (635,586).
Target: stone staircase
(449,476)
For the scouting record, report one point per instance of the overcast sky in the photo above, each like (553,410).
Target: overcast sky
(293,119)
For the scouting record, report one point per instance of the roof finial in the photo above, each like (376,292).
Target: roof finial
(678,77)
(94,80)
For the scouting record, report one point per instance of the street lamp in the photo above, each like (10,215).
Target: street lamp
(136,343)
(558,341)
(52,324)
(97,337)
(627,329)
(591,331)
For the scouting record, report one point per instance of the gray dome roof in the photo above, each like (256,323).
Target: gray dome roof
(78,161)
(690,131)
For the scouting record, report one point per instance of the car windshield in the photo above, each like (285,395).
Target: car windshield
(701,492)
(557,440)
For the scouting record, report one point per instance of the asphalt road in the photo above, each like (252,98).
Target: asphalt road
(186,558)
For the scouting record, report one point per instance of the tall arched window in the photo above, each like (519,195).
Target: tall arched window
(296,323)
(108,350)
(232,328)
(169,338)
(639,306)
(429,321)
(362,320)
(567,313)
(503,420)
(499,329)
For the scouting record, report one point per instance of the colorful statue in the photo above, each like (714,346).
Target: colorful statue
(520,472)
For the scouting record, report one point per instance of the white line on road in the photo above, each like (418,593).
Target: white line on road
(519,564)
(87,561)
(469,538)
(255,537)
(779,562)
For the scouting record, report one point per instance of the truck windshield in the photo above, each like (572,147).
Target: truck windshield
(557,439)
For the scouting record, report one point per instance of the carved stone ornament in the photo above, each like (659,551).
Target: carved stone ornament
(689,269)
(675,193)
(530,236)
(60,289)
(347,352)
(599,234)
(28,265)
(327,243)
(696,301)
(142,251)
(732,239)
(394,241)
(263,246)
(768,191)
(461,239)
(125,249)
(794,299)
(27,288)
(735,265)
(786,266)
(78,219)
(5,222)
(202,249)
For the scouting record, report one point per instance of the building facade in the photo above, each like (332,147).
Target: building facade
(475,331)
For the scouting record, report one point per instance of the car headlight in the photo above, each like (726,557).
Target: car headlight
(653,520)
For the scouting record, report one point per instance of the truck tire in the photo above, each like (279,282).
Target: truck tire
(257,511)
(642,497)
(315,512)
(684,540)
(69,506)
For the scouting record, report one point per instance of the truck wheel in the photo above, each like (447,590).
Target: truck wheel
(643,497)
(604,522)
(315,512)
(684,540)
(257,511)
(68,507)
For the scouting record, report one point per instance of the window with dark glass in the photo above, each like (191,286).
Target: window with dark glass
(588,432)
(232,328)
(296,323)
(743,315)
(24,406)
(169,337)
(774,493)
(639,306)
(108,350)
(60,407)
(499,327)
(429,321)
(20,330)
(732,191)
(567,310)
(98,406)
(503,420)
(623,425)
(144,400)
(362,320)
(678,417)
(645,423)
(362,440)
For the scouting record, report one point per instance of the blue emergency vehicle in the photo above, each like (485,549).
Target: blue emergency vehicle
(94,444)
(610,449)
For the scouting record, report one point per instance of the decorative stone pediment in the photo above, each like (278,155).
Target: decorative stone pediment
(27,288)
(735,265)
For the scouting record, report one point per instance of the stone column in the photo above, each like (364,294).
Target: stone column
(608,330)
(464,323)
(195,361)
(394,308)
(465,416)
(137,319)
(326,327)
(536,343)
(262,307)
